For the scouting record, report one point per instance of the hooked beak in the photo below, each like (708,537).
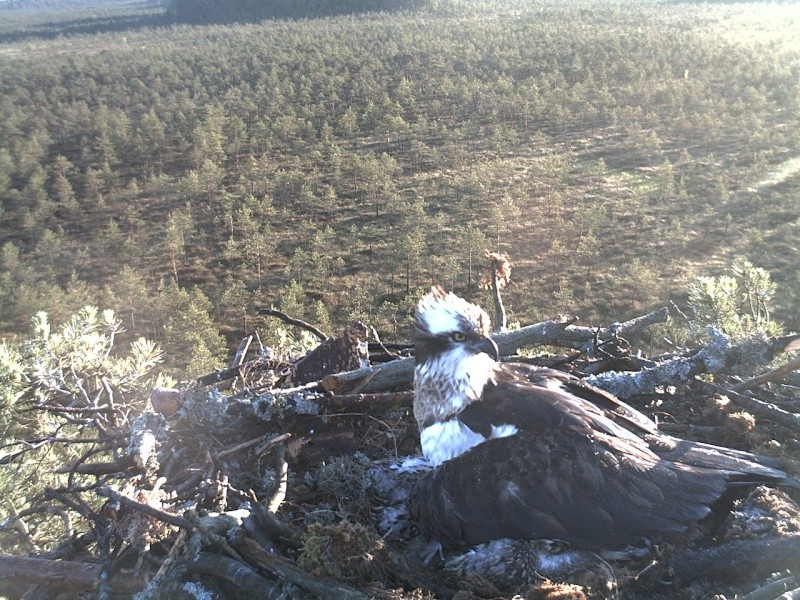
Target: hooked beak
(488,346)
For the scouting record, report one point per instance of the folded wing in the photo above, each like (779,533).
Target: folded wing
(593,491)
(580,466)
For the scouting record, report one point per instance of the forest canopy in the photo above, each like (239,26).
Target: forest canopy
(334,167)
(207,11)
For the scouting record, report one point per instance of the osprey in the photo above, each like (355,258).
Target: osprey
(533,453)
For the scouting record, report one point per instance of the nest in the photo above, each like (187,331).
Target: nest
(235,488)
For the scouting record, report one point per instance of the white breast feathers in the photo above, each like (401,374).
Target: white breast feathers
(445,440)
(448,439)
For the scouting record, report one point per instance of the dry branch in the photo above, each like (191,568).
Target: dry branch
(283,481)
(270,438)
(399,373)
(100,468)
(774,375)
(232,372)
(244,579)
(772,590)
(61,574)
(497,276)
(273,527)
(717,355)
(152,511)
(271,312)
(241,352)
(31,445)
(366,402)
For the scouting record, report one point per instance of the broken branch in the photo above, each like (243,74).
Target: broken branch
(152,511)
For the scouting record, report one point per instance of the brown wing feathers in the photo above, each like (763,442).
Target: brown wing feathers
(573,471)
(561,489)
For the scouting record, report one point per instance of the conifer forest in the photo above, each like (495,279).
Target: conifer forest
(171,172)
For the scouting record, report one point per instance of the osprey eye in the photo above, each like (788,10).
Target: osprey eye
(459,337)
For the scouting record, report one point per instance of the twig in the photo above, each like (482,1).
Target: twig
(241,352)
(396,372)
(362,383)
(21,528)
(737,560)
(381,346)
(772,590)
(690,429)
(78,505)
(272,442)
(112,409)
(499,309)
(71,547)
(230,373)
(713,357)
(243,445)
(277,392)
(276,529)
(104,554)
(689,322)
(283,481)
(81,463)
(174,552)
(366,401)
(221,497)
(12,519)
(31,445)
(67,409)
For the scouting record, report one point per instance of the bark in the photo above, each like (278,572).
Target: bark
(716,356)
(244,579)
(62,575)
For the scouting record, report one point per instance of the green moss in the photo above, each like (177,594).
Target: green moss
(347,552)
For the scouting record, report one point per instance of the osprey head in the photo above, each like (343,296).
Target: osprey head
(444,321)
(455,357)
